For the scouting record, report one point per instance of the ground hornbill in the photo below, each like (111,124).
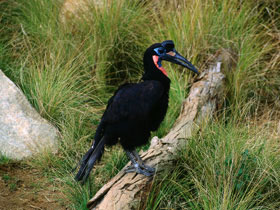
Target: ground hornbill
(135,110)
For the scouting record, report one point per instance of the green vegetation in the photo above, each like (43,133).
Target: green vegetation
(225,167)
(68,70)
(12,182)
(4,159)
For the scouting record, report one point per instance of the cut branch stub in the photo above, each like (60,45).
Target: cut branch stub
(123,192)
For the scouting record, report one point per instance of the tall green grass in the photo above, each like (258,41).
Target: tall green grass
(224,167)
(201,27)
(68,70)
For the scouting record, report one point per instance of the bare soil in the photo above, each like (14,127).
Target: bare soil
(22,188)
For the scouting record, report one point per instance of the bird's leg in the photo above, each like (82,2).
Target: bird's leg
(140,161)
(135,167)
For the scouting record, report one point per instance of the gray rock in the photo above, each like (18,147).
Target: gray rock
(23,132)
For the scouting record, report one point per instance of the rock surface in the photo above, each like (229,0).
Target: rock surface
(23,132)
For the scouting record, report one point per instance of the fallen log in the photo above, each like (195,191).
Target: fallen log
(124,191)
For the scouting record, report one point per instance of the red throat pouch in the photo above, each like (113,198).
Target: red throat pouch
(155,59)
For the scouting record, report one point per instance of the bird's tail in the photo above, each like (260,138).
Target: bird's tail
(92,155)
(88,161)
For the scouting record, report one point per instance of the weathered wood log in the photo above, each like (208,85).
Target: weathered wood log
(124,191)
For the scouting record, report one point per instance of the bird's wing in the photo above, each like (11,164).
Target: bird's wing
(133,101)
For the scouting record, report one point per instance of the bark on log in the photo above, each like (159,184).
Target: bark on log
(124,191)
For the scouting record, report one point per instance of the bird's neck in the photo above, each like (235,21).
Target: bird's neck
(152,73)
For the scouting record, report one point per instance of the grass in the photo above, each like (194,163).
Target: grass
(11,182)
(203,27)
(4,160)
(223,167)
(68,70)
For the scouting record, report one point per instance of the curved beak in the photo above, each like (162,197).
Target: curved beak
(175,57)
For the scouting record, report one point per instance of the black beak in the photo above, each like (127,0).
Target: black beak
(178,59)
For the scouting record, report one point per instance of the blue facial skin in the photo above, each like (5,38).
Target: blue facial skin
(160,51)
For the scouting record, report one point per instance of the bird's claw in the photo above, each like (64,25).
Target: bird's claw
(140,169)
(148,168)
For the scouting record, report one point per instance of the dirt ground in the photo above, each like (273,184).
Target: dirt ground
(22,188)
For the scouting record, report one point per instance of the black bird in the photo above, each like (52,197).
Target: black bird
(135,110)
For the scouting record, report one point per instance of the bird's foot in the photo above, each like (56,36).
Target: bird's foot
(148,168)
(140,169)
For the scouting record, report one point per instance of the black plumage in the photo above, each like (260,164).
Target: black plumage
(135,110)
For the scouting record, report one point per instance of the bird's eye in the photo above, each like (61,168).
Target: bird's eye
(160,50)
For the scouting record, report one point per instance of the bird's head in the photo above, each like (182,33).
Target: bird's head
(158,52)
